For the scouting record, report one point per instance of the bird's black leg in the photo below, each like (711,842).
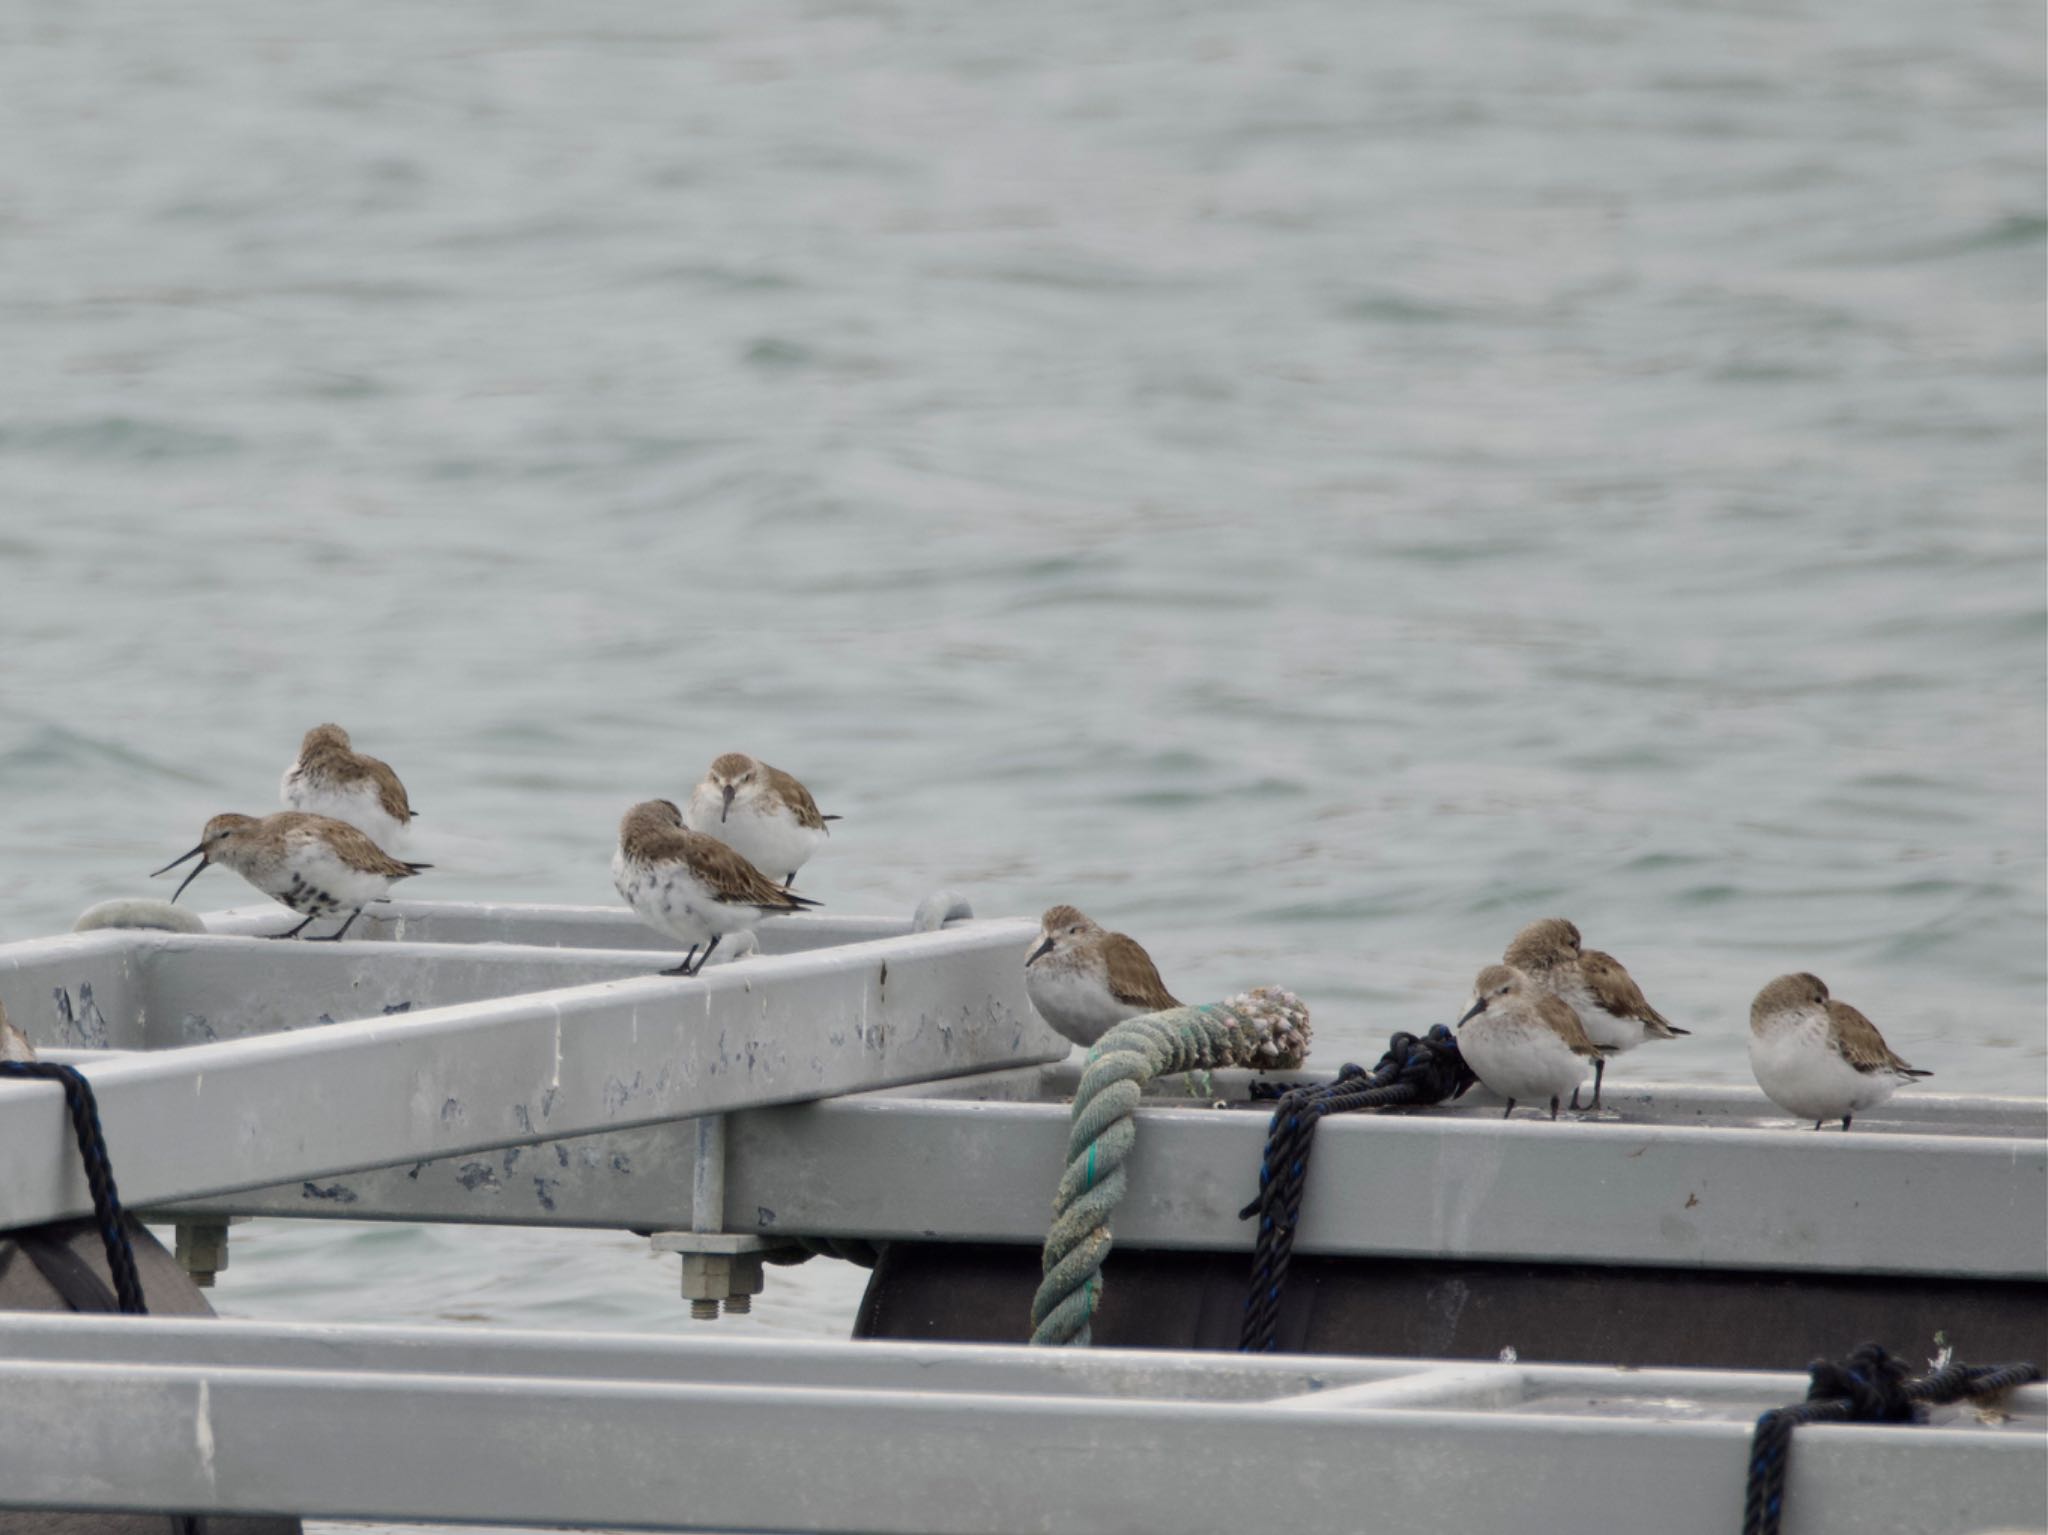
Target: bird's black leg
(293,932)
(1575,1097)
(1509,1109)
(790,880)
(1845,1122)
(1553,1105)
(1599,1071)
(684,967)
(706,955)
(1818,1123)
(335,937)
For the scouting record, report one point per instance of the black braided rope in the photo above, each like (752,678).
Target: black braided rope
(1414,1071)
(99,1173)
(1870,1386)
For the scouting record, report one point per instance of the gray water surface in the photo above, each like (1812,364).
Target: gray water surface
(1314,485)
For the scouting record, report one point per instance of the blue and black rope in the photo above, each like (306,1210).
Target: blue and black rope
(99,1173)
(1415,1070)
(1870,1386)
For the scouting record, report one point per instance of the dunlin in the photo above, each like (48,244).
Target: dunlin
(329,778)
(1523,1042)
(314,864)
(1819,1058)
(1083,979)
(1610,1006)
(761,812)
(14,1045)
(690,886)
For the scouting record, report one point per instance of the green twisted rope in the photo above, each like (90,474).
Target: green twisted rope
(1265,1028)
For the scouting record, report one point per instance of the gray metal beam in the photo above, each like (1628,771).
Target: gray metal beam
(1700,1184)
(510,1070)
(555,926)
(358,1436)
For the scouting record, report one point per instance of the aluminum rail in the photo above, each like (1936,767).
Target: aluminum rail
(474,1076)
(405,1425)
(1685,1177)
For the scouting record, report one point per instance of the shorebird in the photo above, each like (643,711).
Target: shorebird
(14,1045)
(1083,980)
(314,864)
(1819,1058)
(1523,1042)
(329,778)
(761,812)
(690,886)
(1610,1006)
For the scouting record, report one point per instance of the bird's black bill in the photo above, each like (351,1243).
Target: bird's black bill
(1473,1011)
(1040,952)
(726,809)
(178,860)
(200,868)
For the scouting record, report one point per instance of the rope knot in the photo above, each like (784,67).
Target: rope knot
(1433,1065)
(1870,1384)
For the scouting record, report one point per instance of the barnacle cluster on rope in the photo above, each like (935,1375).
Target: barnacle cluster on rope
(1870,1386)
(1266,1029)
(99,1172)
(1415,1070)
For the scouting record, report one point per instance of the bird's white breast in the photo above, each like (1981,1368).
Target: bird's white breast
(1801,1071)
(671,899)
(1526,1062)
(356,803)
(1075,1002)
(768,837)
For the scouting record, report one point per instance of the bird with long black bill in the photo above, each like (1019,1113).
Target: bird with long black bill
(315,865)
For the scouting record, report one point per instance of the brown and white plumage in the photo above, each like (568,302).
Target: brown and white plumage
(14,1045)
(1523,1042)
(314,864)
(1595,986)
(329,777)
(1819,1058)
(760,810)
(690,886)
(1084,979)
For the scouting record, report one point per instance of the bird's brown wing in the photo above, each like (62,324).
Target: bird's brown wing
(1556,1012)
(1615,990)
(352,846)
(730,878)
(1862,1046)
(796,796)
(1133,978)
(390,792)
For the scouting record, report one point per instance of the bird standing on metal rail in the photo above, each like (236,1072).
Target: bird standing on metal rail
(1819,1058)
(1084,980)
(1522,1042)
(330,778)
(312,863)
(14,1045)
(760,812)
(690,886)
(1609,1004)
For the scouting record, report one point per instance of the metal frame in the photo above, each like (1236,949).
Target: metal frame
(1685,1177)
(532,1429)
(561,1042)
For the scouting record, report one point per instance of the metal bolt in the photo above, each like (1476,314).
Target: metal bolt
(703,1310)
(202,1248)
(738,1305)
